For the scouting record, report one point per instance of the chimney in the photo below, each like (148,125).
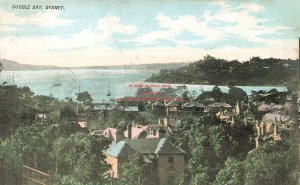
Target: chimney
(237,108)
(154,132)
(258,142)
(275,129)
(262,126)
(166,122)
(129,130)
(161,133)
(257,129)
(119,135)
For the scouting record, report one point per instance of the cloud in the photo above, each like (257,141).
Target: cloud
(148,38)
(239,21)
(48,19)
(244,22)
(252,7)
(170,28)
(45,19)
(4,28)
(89,38)
(100,55)
(91,46)
(112,24)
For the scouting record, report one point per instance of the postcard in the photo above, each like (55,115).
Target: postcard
(149,92)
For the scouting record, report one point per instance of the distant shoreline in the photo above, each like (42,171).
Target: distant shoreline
(15,66)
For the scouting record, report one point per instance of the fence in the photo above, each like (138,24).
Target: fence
(32,176)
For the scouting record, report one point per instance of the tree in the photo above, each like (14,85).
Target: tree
(144,92)
(200,178)
(216,93)
(186,96)
(10,164)
(34,143)
(68,113)
(16,109)
(85,98)
(207,143)
(231,174)
(167,93)
(215,71)
(79,159)
(271,164)
(241,135)
(136,172)
(236,94)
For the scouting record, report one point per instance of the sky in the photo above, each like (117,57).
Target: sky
(99,33)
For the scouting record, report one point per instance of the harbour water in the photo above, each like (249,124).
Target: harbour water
(67,83)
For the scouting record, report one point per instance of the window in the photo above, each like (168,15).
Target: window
(171,160)
(170,163)
(171,180)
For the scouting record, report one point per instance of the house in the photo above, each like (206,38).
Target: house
(130,108)
(227,116)
(216,107)
(158,106)
(267,131)
(274,117)
(104,107)
(193,106)
(265,108)
(167,159)
(97,133)
(171,107)
(82,124)
(248,116)
(41,116)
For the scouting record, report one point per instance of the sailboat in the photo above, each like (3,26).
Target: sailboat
(57,82)
(108,91)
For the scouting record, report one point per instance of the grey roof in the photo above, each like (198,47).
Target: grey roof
(172,104)
(192,104)
(131,109)
(120,149)
(229,113)
(226,105)
(104,107)
(144,146)
(276,117)
(166,147)
(264,107)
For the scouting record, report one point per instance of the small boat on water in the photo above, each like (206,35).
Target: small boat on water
(108,91)
(57,82)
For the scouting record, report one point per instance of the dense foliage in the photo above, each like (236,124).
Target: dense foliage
(219,154)
(214,71)
(136,172)
(208,143)
(41,132)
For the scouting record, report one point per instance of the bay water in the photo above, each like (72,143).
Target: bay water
(98,82)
